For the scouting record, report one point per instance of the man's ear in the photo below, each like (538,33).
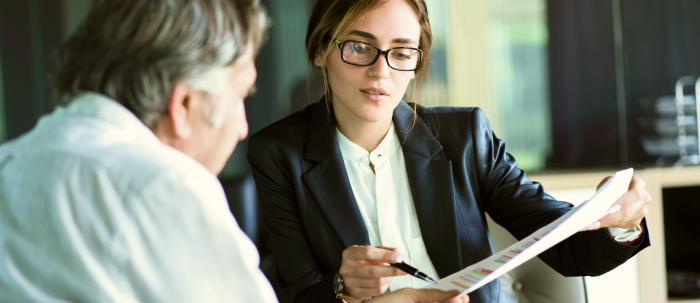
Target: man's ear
(179,109)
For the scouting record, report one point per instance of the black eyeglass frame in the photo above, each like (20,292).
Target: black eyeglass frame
(340,46)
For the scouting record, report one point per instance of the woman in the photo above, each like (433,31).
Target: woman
(363,179)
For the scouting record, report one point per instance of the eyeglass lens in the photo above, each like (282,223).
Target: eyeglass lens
(359,53)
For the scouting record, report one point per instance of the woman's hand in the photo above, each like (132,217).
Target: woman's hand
(629,210)
(412,295)
(366,271)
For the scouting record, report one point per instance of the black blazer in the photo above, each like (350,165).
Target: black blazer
(458,171)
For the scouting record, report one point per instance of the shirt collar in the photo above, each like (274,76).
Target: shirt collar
(351,151)
(94,105)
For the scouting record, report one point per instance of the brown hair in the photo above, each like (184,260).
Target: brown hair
(331,19)
(136,51)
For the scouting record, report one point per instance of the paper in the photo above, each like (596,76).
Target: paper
(471,278)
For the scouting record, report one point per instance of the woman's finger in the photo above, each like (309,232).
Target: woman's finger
(394,249)
(461,299)
(628,215)
(371,253)
(369,271)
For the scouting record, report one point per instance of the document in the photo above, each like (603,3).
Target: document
(477,275)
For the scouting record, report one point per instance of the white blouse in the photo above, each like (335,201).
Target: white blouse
(386,204)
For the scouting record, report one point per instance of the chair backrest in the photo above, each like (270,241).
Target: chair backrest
(535,281)
(243,203)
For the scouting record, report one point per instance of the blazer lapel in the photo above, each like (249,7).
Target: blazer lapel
(328,180)
(430,178)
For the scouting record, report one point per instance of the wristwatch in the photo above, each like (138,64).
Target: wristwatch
(339,288)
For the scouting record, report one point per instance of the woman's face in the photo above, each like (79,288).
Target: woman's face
(363,94)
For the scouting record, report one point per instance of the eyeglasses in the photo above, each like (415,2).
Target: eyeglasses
(364,54)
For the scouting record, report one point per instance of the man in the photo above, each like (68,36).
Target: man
(113,197)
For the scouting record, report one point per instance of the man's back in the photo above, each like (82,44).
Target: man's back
(93,207)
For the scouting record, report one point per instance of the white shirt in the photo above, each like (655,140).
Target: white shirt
(94,208)
(386,204)
(387,208)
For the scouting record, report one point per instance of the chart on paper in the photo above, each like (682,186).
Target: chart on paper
(489,269)
(471,276)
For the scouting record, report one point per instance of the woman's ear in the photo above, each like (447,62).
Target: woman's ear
(318,59)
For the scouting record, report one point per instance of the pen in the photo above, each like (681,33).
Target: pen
(414,272)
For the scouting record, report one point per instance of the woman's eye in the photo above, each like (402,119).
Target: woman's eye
(360,48)
(401,56)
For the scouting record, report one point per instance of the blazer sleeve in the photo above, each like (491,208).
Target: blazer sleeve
(522,206)
(300,277)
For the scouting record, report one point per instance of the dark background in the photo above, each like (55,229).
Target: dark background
(594,106)
(598,78)
(660,43)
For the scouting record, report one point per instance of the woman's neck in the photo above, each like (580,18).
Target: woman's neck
(367,135)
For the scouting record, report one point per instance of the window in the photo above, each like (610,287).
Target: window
(493,54)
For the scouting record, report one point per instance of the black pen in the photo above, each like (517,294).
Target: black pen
(413,272)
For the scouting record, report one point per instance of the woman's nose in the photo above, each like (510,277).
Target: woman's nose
(380,69)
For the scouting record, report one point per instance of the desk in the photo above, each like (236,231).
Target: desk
(651,261)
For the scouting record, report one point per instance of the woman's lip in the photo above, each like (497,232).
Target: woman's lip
(373,89)
(374,97)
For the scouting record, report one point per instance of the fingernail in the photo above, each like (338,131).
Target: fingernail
(614,209)
(596,225)
(396,258)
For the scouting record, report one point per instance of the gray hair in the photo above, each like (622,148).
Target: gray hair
(136,51)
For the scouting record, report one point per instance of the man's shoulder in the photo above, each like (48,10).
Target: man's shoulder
(127,164)
(139,165)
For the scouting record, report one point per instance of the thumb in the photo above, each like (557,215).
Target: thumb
(603,182)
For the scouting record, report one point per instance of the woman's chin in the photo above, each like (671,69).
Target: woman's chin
(378,112)
(369,112)
(375,117)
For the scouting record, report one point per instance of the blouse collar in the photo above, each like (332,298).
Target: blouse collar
(353,152)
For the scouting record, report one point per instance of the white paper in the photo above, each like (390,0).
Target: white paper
(471,278)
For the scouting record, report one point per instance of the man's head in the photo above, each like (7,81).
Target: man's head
(183,67)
